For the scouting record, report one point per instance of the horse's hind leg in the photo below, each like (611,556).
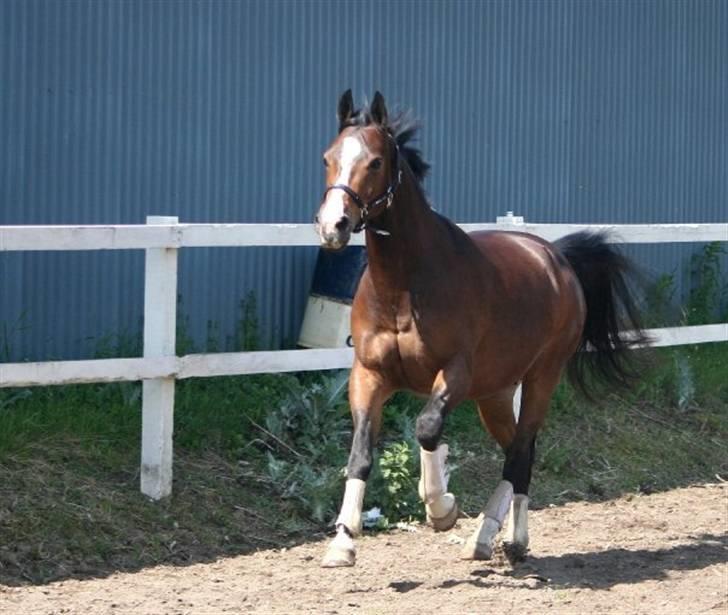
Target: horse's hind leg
(517,471)
(497,416)
(511,495)
(538,388)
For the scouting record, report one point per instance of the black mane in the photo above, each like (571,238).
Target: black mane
(403,128)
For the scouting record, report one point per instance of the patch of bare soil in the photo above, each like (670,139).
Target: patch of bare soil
(663,553)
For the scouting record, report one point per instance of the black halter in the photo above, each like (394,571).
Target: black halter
(368,208)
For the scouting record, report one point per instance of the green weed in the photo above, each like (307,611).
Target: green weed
(247,331)
(707,300)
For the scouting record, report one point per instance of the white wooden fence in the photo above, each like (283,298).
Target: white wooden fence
(162,237)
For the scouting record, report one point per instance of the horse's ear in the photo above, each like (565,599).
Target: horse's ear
(379,109)
(345,109)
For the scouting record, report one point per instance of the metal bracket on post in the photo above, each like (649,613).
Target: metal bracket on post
(160,324)
(509,219)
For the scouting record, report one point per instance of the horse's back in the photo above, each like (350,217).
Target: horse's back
(536,304)
(528,264)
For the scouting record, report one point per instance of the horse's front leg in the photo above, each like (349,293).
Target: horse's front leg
(449,389)
(367,394)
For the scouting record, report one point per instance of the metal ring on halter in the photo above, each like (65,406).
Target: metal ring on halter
(387,195)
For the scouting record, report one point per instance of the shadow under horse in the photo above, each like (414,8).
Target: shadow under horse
(456,316)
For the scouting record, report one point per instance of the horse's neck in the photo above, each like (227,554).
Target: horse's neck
(395,258)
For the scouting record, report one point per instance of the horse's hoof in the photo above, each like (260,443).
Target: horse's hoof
(515,551)
(442,524)
(338,558)
(476,551)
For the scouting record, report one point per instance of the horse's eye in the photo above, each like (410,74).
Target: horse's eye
(326,162)
(375,164)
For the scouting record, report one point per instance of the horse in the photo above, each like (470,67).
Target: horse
(453,316)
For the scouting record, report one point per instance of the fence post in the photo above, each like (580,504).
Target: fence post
(508,221)
(160,323)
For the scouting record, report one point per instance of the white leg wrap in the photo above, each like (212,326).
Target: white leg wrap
(480,543)
(441,507)
(343,541)
(517,528)
(433,482)
(499,503)
(350,515)
(341,551)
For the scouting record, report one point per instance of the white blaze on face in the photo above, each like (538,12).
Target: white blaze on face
(333,209)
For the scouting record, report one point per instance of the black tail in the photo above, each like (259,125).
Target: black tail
(605,350)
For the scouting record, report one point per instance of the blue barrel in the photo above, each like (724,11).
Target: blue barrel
(328,311)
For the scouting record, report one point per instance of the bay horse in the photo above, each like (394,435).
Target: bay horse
(456,316)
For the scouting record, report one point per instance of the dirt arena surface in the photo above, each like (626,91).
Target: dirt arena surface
(663,553)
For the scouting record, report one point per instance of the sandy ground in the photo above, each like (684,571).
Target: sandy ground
(663,553)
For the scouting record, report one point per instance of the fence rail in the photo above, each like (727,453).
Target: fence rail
(162,237)
(140,236)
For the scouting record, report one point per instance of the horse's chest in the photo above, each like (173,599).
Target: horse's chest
(399,351)
(386,346)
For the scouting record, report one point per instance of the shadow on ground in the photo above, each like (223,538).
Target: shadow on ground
(598,570)
(62,516)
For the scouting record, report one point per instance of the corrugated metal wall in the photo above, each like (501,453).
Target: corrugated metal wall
(568,111)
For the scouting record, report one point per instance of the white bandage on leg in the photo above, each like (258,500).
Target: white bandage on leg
(517,528)
(343,542)
(433,482)
(480,543)
(499,502)
(341,550)
(350,515)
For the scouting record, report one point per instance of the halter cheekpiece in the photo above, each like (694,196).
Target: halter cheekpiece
(367,207)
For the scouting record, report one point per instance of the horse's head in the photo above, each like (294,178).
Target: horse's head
(362,172)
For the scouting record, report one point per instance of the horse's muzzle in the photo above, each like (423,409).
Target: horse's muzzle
(334,236)
(334,241)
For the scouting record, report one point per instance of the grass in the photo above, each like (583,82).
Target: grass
(69,480)
(67,512)
(246,462)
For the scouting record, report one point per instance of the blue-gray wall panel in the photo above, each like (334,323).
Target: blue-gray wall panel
(563,111)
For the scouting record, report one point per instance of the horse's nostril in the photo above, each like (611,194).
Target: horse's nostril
(342,224)
(316,219)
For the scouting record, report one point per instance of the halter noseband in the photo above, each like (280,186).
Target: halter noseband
(386,197)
